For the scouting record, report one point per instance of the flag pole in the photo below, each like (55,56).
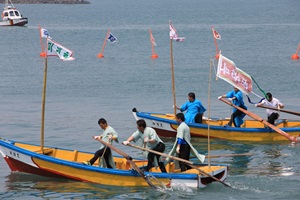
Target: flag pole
(44,102)
(173,78)
(296,56)
(208,110)
(42,54)
(154,55)
(100,55)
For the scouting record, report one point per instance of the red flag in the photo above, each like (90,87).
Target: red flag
(152,39)
(216,34)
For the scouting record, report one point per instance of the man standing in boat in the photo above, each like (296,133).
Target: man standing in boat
(272,103)
(109,135)
(182,145)
(150,140)
(236,96)
(194,109)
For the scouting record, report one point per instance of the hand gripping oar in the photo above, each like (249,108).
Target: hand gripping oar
(181,160)
(129,159)
(280,110)
(258,118)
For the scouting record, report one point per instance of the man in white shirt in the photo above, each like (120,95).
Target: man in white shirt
(151,141)
(272,103)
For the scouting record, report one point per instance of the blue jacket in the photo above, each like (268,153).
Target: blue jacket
(238,102)
(192,109)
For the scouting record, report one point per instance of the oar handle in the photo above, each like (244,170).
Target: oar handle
(228,155)
(280,110)
(159,153)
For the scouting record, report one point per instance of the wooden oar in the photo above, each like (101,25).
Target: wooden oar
(129,159)
(258,118)
(181,160)
(229,155)
(280,110)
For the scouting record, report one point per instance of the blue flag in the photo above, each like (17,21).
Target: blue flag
(112,38)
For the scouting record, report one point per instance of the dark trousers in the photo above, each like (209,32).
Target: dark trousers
(198,118)
(184,153)
(234,115)
(272,118)
(99,153)
(160,147)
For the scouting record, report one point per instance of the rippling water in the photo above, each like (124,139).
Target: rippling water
(259,36)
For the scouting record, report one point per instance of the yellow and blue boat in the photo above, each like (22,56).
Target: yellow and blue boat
(66,163)
(252,130)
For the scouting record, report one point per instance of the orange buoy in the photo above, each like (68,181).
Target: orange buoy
(100,55)
(295,57)
(43,54)
(154,56)
(217,56)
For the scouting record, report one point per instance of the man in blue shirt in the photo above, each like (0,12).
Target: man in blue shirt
(194,109)
(236,96)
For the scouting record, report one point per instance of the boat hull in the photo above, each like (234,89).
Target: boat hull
(63,163)
(254,131)
(14,22)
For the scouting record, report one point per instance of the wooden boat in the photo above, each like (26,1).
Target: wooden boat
(66,163)
(11,16)
(252,130)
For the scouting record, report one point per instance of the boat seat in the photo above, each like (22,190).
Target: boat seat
(46,151)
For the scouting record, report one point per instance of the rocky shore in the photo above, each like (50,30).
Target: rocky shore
(48,1)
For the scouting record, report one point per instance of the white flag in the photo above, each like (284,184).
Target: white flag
(44,33)
(55,49)
(173,34)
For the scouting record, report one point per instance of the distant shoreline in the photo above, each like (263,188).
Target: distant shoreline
(48,1)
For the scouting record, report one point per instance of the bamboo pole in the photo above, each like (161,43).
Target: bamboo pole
(100,55)
(208,110)
(173,77)
(44,103)
(297,51)
(280,110)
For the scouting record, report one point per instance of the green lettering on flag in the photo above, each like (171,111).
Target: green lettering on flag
(58,50)
(50,46)
(66,54)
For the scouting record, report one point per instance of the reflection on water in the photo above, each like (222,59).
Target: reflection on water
(49,188)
